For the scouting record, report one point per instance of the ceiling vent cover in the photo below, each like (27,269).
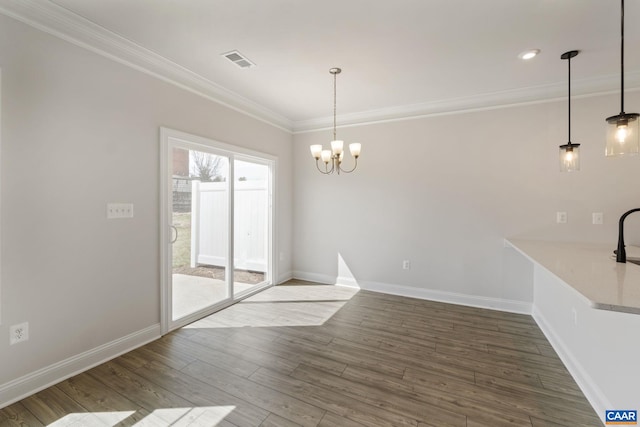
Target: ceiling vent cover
(239,59)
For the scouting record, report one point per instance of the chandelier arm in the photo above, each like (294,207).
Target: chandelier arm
(354,167)
(328,172)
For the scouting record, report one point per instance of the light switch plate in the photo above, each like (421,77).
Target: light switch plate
(119,210)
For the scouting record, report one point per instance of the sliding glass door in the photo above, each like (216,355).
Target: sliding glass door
(251,226)
(217,201)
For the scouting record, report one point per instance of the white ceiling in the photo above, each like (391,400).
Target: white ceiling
(399,57)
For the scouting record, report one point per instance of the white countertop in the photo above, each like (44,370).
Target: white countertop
(590,270)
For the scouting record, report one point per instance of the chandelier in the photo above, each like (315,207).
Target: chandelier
(336,154)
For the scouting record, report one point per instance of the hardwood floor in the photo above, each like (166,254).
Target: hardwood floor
(313,355)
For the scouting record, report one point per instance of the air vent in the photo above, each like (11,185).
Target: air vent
(238,59)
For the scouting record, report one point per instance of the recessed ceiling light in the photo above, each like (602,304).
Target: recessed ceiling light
(528,54)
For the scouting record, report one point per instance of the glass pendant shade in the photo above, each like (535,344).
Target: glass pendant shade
(337,147)
(569,152)
(316,151)
(326,156)
(354,149)
(570,157)
(623,135)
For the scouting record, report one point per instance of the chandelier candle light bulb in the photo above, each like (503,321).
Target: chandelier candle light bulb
(336,154)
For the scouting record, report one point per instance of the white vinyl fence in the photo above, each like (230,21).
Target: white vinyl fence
(210,219)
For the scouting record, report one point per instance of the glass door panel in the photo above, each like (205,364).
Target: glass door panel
(217,247)
(251,225)
(200,223)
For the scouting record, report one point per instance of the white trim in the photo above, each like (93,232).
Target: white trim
(165,233)
(348,282)
(29,384)
(0,192)
(273,233)
(170,138)
(314,277)
(284,277)
(511,306)
(447,107)
(62,23)
(218,146)
(591,391)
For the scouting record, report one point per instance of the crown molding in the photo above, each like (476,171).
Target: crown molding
(603,85)
(60,22)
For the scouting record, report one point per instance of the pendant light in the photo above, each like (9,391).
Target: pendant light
(623,133)
(336,153)
(569,152)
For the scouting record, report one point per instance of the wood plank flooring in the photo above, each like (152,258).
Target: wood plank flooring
(314,355)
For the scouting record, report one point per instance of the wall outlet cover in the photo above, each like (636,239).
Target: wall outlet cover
(19,333)
(561,217)
(597,218)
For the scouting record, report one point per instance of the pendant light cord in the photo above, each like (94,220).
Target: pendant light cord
(569,98)
(622,58)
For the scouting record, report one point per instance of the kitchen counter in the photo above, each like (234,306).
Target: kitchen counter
(589,269)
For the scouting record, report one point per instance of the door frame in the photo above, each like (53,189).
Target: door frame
(168,139)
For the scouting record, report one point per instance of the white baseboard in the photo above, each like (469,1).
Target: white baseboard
(591,391)
(520,307)
(283,277)
(512,306)
(314,277)
(29,384)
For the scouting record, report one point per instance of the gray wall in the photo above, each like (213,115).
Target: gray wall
(79,280)
(443,192)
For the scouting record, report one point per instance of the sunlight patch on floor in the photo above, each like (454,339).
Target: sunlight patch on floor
(183,417)
(302,305)
(194,293)
(180,417)
(92,419)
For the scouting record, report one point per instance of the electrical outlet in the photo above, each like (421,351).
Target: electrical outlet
(119,210)
(406,264)
(597,218)
(19,333)
(561,217)
(575,316)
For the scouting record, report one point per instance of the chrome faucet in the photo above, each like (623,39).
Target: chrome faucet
(621,253)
